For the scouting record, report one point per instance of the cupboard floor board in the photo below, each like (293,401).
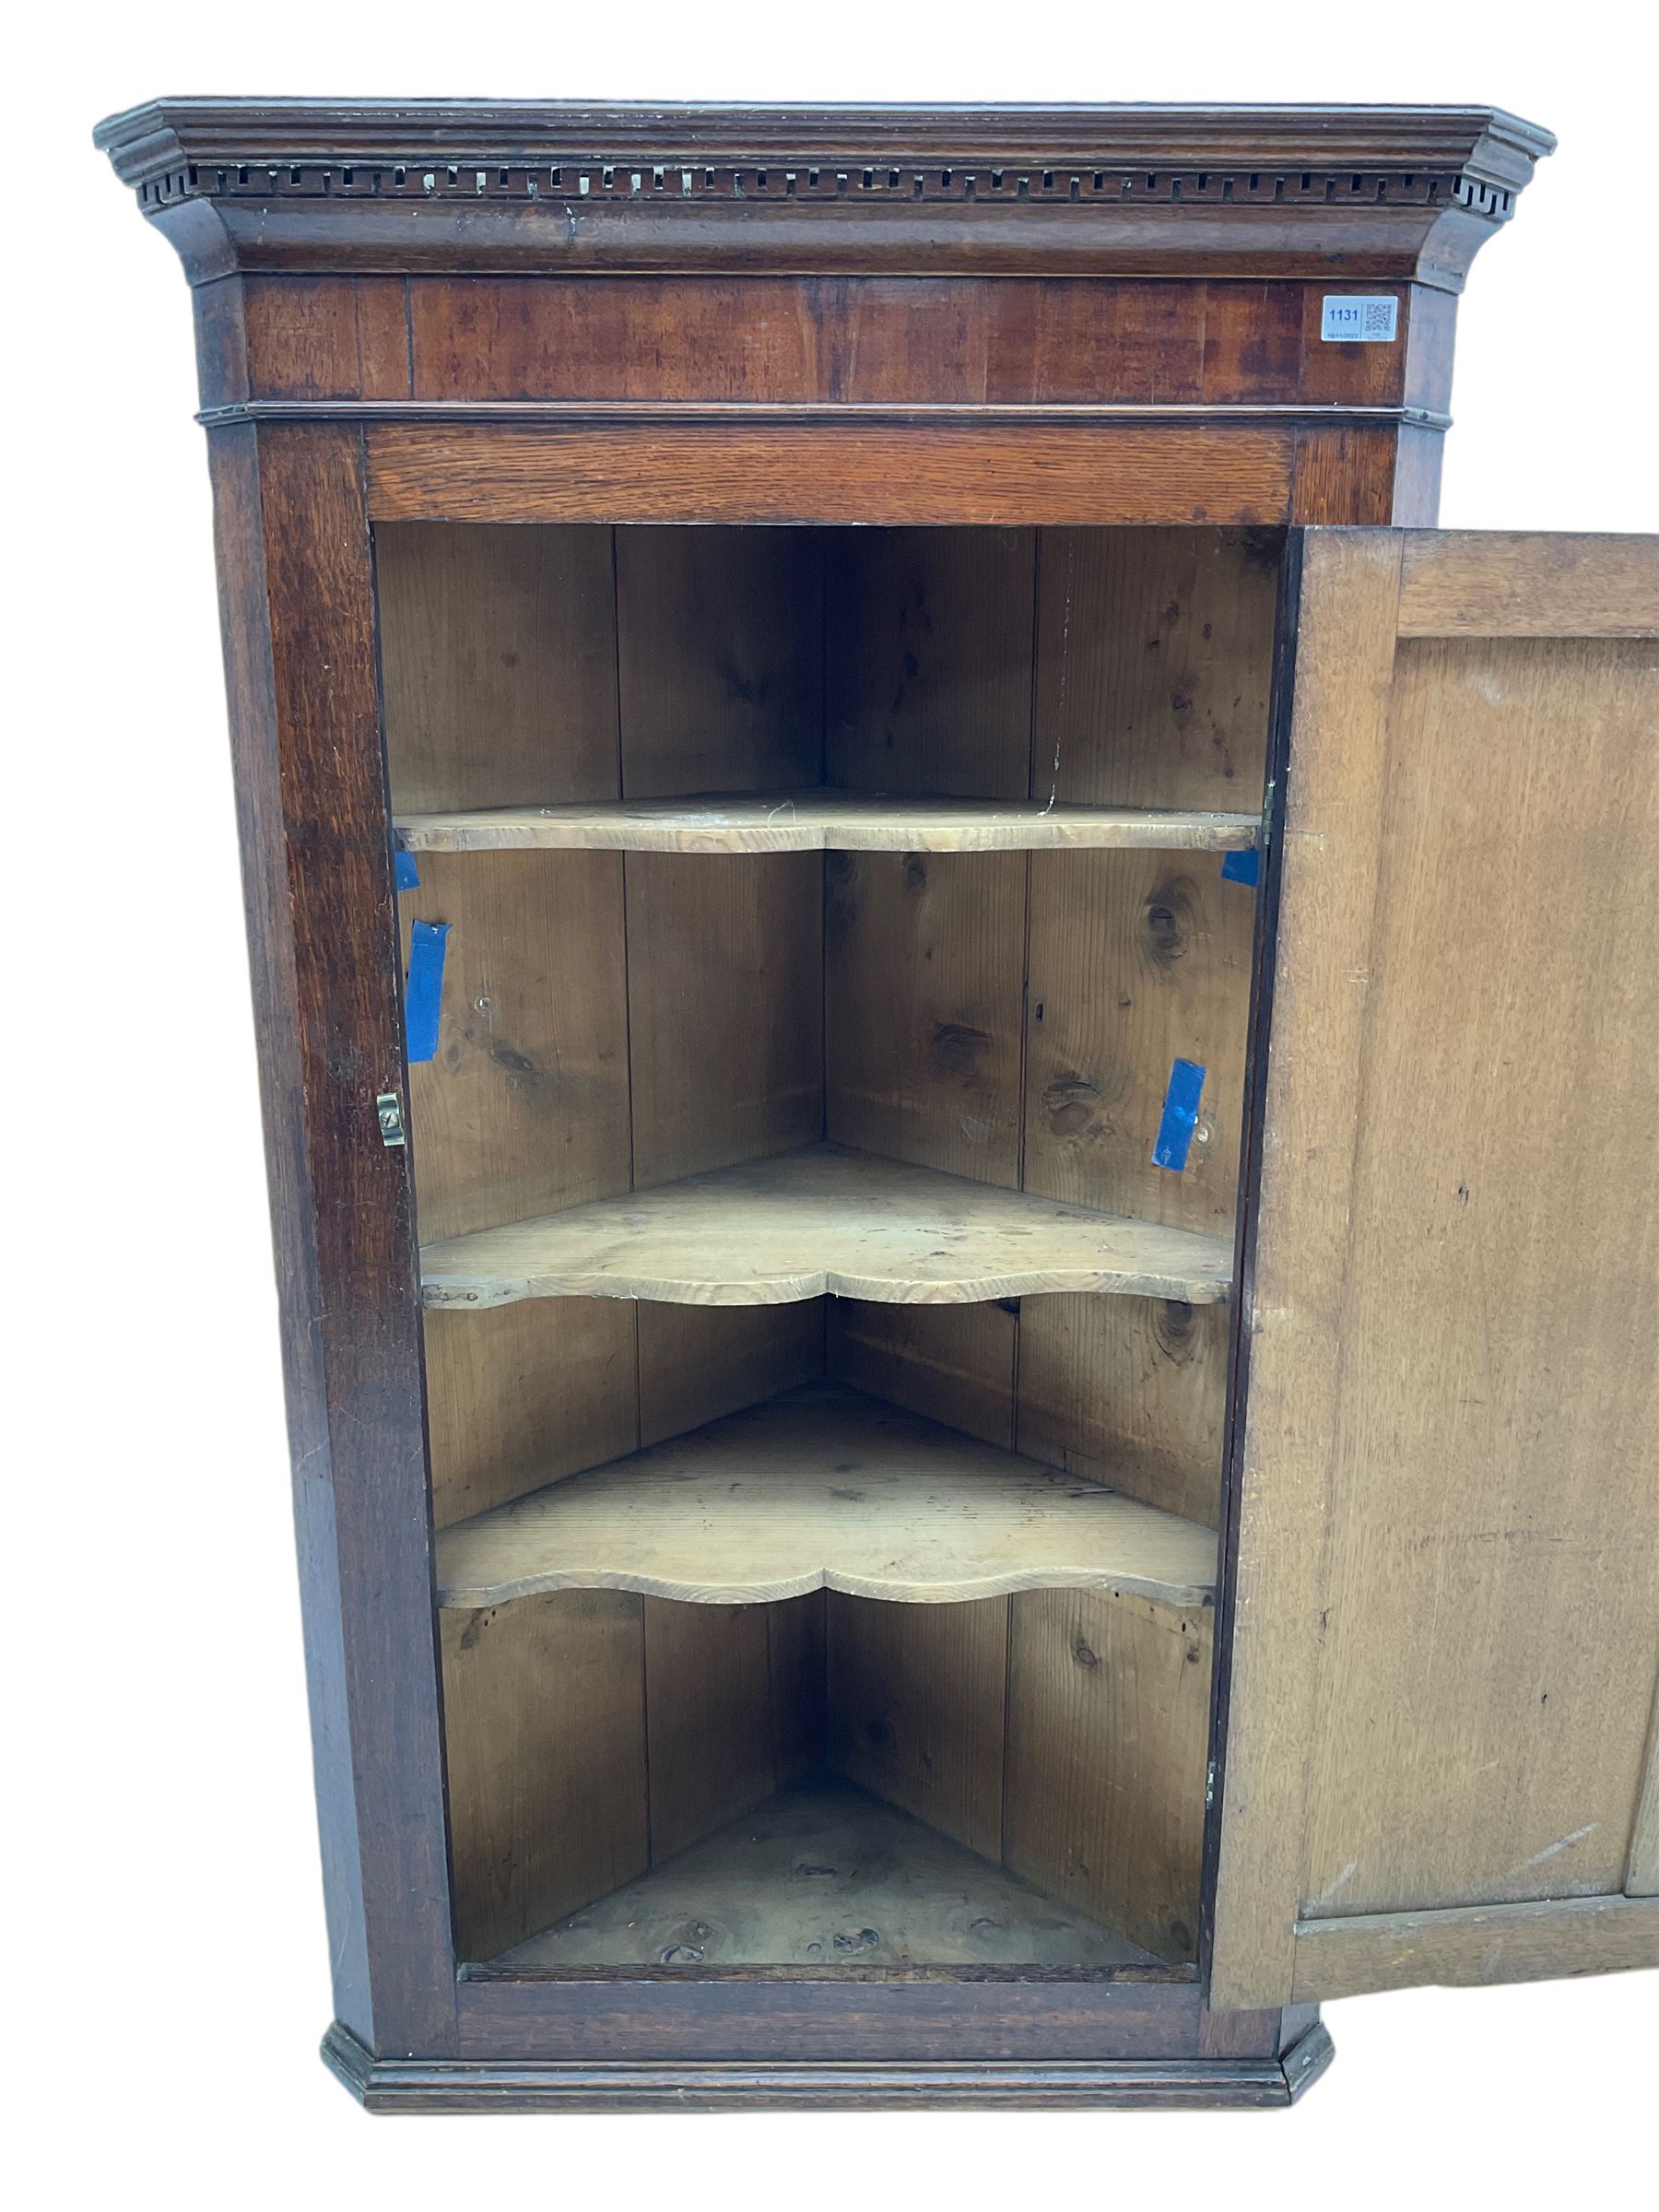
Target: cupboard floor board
(824,1876)
(820,1221)
(825,1489)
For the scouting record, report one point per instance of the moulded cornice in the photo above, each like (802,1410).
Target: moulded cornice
(305,184)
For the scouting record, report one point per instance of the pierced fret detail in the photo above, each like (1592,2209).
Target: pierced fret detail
(668,179)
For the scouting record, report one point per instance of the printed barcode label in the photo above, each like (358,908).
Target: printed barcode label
(1358,319)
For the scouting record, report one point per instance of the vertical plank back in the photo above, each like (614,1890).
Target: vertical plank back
(1108,1736)
(498,663)
(720,639)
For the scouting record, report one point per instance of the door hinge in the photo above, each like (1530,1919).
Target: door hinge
(1209,1785)
(389,1107)
(1267,798)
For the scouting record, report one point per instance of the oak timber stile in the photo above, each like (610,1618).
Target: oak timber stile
(811,602)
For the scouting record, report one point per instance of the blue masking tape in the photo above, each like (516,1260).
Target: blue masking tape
(1180,1115)
(408,874)
(423,993)
(1243,867)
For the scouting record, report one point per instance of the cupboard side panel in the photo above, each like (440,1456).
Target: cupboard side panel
(1108,1736)
(1137,960)
(1154,666)
(524,1108)
(1152,688)
(497,653)
(545,1721)
(521,1395)
(1130,1392)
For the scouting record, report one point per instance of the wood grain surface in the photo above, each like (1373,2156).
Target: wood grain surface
(823,1488)
(1447,1587)
(821,1220)
(815,821)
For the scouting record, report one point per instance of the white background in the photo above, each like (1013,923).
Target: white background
(167,1971)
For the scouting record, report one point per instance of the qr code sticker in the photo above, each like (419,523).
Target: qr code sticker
(1355,318)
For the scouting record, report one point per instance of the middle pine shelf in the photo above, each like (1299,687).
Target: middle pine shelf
(824,1221)
(825,820)
(823,1487)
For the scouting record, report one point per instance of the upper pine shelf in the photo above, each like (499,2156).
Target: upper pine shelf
(814,821)
(823,1222)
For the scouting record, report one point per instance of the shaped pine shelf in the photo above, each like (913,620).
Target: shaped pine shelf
(824,1221)
(823,1487)
(815,821)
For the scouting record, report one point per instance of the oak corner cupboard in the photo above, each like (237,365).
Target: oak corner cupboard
(957,1042)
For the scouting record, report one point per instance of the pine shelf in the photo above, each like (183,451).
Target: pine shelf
(823,1221)
(823,1487)
(813,821)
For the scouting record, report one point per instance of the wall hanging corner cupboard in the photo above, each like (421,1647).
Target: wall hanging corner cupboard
(960,1111)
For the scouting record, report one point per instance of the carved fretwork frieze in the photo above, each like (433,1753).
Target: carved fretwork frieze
(417,178)
(425,185)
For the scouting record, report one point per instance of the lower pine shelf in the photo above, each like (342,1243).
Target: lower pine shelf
(823,1876)
(824,1221)
(825,1489)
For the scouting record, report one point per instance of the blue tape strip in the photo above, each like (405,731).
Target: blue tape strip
(423,993)
(407,874)
(1180,1115)
(1243,867)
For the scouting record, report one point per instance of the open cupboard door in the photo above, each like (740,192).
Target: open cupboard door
(1440,1761)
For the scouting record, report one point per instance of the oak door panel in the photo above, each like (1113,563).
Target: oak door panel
(1446,1604)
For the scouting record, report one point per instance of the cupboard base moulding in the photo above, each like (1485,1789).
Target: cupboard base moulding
(431,2085)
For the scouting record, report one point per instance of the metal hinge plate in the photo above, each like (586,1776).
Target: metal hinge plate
(389,1107)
